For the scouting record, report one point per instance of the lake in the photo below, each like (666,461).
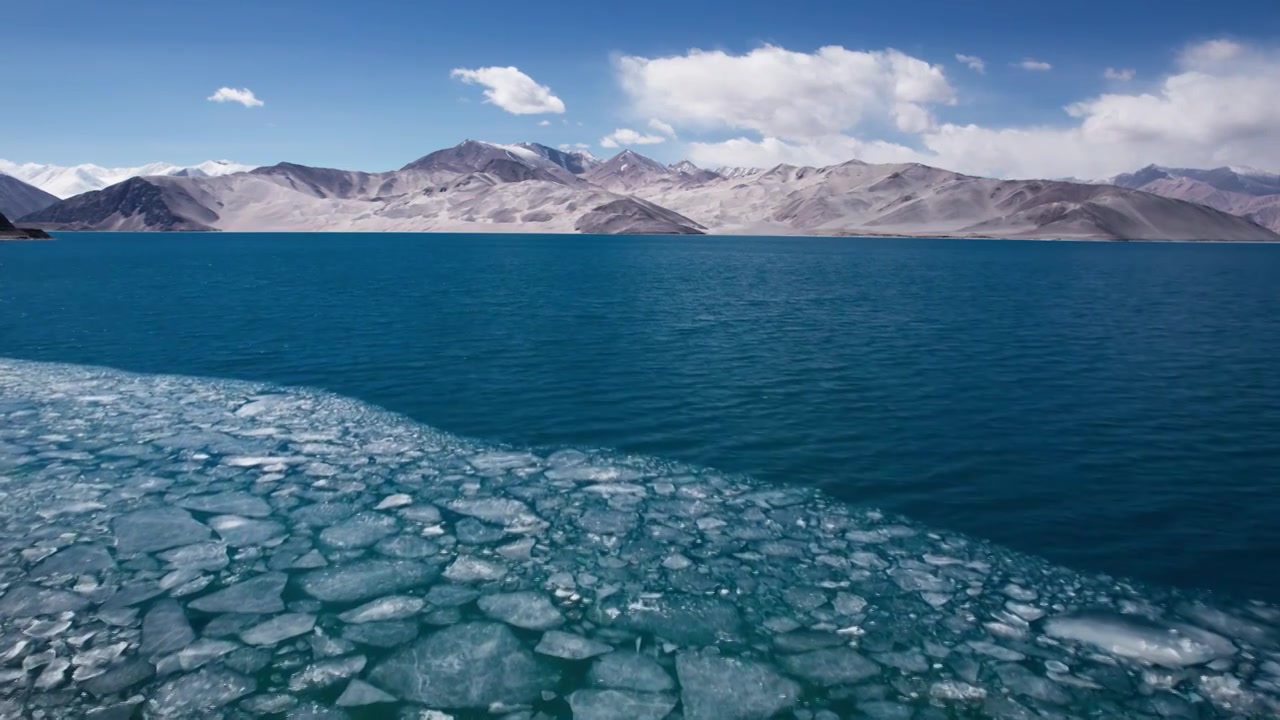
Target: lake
(1083,409)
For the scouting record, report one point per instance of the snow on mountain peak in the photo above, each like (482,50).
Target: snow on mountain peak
(64,182)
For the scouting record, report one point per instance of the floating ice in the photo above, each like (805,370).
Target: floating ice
(528,610)
(198,548)
(155,529)
(568,646)
(1168,645)
(472,665)
(259,594)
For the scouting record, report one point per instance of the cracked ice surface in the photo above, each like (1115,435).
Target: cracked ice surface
(177,547)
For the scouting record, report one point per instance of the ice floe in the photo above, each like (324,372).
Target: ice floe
(174,547)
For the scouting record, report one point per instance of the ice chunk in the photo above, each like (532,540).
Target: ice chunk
(82,559)
(260,594)
(569,646)
(620,705)
(681,618)
(238,531)
(366,579)
(472,569)
(608,522)
(360,693)
(394,501)
(317,711)
(382,634)
(272,704)
(157,528)
(528,610)
(227,503)
(165,629)
(714,687)
(831,666)
(392,607)
(512,514)
(629,671)
(359,531)
(327,672)
(30,601)
(279,628)
(120,677)
(471,531)
(408,547)
(956,691)
(200,652)
(198,693)
(1172,646)
(471,665)
(200,556)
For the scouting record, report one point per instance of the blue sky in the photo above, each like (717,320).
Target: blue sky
(368,85)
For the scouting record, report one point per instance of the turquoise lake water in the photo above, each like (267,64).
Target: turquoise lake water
(1111,407)
(353,477)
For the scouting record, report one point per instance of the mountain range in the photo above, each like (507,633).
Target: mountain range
(488,187)
(65,182)
(1246,192)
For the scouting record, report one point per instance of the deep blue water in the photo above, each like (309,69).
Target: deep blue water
(1113,407)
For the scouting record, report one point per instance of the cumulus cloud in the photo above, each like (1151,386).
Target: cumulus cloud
(544,123)
(244,96)
(770,151)
(1121,75)
(626,136)
(511,90)
(664,128)
(1216,106)
(1035,65)
(785,94)
(973,62)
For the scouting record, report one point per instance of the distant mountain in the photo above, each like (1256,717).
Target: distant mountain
(9,232)
(487,187)
(913,199)
(471,187)
(1246,192)
(18,198)
(65,182)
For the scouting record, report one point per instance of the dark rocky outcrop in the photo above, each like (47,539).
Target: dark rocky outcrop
(9,232)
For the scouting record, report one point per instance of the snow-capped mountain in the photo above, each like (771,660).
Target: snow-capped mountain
(738,172)
(490,187)
(65,182)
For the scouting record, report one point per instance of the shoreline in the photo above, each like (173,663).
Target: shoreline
(833,234)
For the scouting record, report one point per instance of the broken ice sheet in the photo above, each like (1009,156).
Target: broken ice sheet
(265,552)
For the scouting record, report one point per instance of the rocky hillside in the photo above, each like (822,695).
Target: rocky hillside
(9,232)
(18,198)
(486,187)
(1249,193)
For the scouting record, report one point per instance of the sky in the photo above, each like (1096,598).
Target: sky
(1000,87)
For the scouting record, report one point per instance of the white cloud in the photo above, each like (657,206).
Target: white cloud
(784,94)
(973,62)
(244,96)
(770,151)
(627,136)
(511,90)
(664,128)
(1035,65)
(1121,75)
(1217,106)
(544,123)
